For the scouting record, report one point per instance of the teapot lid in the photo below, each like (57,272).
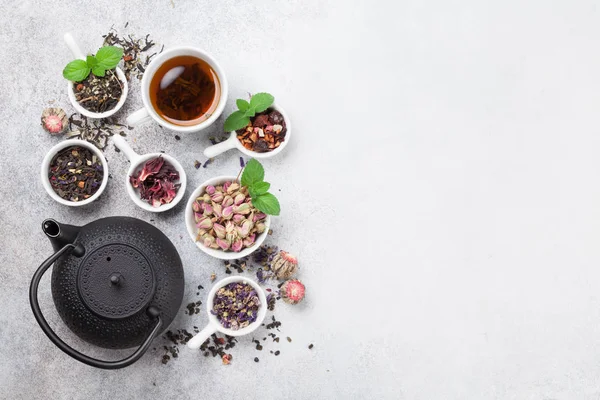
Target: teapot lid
(116,281)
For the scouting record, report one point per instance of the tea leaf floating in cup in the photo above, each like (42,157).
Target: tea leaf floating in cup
(185,90)
(156,182)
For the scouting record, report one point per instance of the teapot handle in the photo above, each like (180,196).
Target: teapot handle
(153,312)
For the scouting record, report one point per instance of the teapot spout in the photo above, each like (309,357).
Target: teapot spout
(60,234)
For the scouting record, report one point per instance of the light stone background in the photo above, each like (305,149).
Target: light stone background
(440,191)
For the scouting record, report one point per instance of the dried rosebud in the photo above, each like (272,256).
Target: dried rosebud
(196,207)
(284,265)
(217,209)
(237,245)
(249,241)
(208,210)
(54,120)
(227,212)
(208,240)
(227,201)
(238,218)
(223,243)
(242,209)
(219,230)
(259,216)
(217,197)
(247,225)
(206,198)
(239,199)
(232,187)
(198,217)
(226,185)
(210,189)
(205,223)
(260,227)
(292,291)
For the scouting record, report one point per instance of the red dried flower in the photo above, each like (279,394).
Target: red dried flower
(156,182)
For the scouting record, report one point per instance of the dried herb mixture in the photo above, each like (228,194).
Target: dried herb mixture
(75,173)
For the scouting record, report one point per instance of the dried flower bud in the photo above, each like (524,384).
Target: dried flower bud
(247,225)
(217,209)
(208,240)
(260,227)
(237,245)
(54,120)
(219,230)
(198,217)
(259,216)
(228,212)
(217,197)
(239,199)
(196,207)
(223,243)
(206,198)
(227,201)
(210,190)
(284,265)
(238,218)
(226,185)
(208,210)
(229,227)
(205,223)
(292,291)
(249,241)
(242,209)
(232,187)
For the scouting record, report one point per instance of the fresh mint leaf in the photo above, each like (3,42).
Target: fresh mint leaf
(237,120)
(76,71)
(91,61)
(258,188)
(250,112)
(253,173)
(261,101)
(267,203)
(98,70)
(108,57)
(242,104)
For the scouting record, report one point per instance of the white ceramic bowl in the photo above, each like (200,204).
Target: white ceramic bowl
(190,224)
(77,53)
(46,166)
(214,325)
(233,142)
(137,162)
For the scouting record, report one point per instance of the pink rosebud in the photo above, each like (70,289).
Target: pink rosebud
(237,218)
(226,185)
(247,225)
(198,217)
(239,199)
(204,223)
(210,190)
(223,244)
(227,212)
(259,216)
(196,207)
(219,230)
(227,201)
(217,197)
(217,209)
(249,241)
(208,210)
(237,245)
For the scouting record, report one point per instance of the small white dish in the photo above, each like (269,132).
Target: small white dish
(137,162)
(46,167)
(77,53)
(147,113)
(233,142)
(215,326)
(190,224)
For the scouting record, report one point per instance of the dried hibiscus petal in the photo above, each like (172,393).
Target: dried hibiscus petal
(151,167)
(157,182)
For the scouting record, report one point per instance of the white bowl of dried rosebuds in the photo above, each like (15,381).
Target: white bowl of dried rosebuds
(222,221)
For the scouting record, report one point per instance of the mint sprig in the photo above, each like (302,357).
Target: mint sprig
(253,178)
(105,59)
(240,118)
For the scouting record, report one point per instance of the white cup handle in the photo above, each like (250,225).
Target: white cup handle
(126,148)
(139,117)
(216,149)
(201,337)
(73,46)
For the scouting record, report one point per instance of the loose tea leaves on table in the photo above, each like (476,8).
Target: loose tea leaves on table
(236,305)
(135,59)
(95,131)
(75,173)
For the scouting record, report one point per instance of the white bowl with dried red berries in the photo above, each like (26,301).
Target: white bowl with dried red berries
(221,220)
(155,182)
(239,141)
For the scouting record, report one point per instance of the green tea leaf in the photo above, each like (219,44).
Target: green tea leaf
(237,120)
(91,61)
(253,173)
(109,56)
(242,104)
(259,188)
(261,101)
(98,70)
(76,70)
(267,203)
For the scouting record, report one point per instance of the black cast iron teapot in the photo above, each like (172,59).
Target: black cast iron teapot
(117,283)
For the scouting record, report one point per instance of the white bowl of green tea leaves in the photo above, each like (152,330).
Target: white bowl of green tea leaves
(74,172)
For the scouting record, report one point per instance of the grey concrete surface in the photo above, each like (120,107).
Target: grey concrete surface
(440,193)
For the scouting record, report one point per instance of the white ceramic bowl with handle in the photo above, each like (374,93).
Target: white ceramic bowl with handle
(137,162)
(214,325)
(190,224)
(46,167)
(234,143)
(77,53)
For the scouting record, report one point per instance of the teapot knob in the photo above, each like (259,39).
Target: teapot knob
(115,279)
